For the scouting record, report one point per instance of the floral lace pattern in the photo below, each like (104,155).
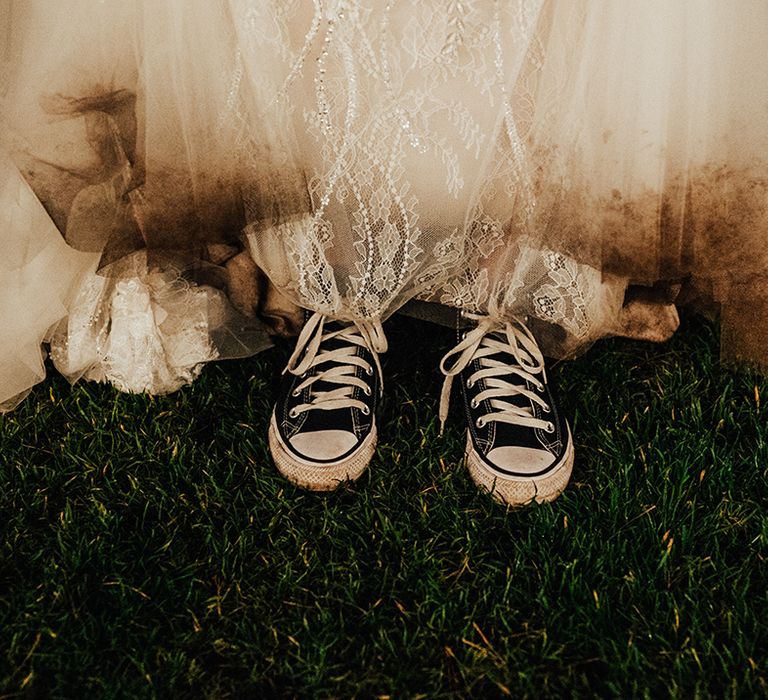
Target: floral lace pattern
(398,108)
(512,157)
(410,119)
(146,331)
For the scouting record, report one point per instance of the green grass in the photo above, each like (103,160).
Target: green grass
(148,547)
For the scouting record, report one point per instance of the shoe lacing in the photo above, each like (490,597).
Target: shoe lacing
(342,363)
(492,336)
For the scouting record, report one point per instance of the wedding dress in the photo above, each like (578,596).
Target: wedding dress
(179,177)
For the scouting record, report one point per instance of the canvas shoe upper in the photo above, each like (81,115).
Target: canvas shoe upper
(519,445)
(323,429)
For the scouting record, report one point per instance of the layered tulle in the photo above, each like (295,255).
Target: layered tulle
(649,142)
(113,126)
(39,276)
(533,158)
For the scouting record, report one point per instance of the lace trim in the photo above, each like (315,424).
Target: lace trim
(143,333)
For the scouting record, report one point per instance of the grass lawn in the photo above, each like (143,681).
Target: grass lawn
(148,548)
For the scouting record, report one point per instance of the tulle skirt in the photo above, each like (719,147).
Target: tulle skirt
(181,176)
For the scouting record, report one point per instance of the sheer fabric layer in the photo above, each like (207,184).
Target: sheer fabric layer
(39,274)
(652,154)
(107,117)
(527,158)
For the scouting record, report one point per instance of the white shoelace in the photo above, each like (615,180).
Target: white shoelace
(341,363)
(482,342)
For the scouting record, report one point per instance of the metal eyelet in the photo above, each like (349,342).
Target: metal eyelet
(473,403)
(296,392)
(480,423)
(366,411)
(546,408)
(367,390)
(550,428)
(292,413)
(369,370)
(470,384)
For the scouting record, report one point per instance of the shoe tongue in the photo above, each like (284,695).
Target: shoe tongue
(329,345)
(506,356)
(335,343)
(517,400)
(510,433)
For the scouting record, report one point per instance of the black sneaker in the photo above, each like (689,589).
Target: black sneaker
(323,429)
(519,445)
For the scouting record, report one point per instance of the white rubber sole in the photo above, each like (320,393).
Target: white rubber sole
(320,477)
(521,490)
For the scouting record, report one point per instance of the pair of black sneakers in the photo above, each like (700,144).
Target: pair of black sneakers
(323,428)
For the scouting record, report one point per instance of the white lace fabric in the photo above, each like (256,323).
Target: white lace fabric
(340,363)
(502,379)
(533,156)
(142,331)
(393,106)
